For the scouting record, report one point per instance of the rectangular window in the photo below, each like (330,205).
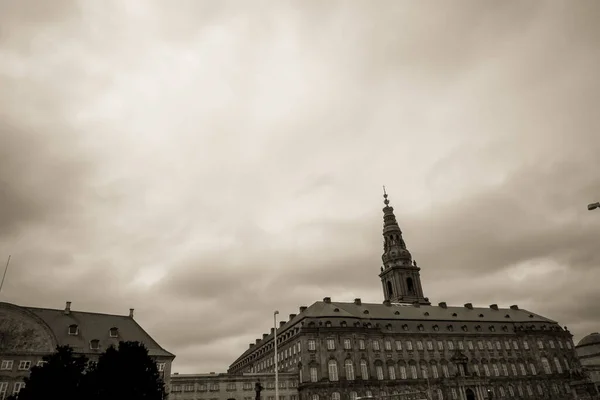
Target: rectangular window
(17,386)
(312,345)
(7,365)
(489,345)
(176,388)
(388,345)
(445,371)
(450,345)
(515,345)
(41,363)
(24,365)
(551,343)
(470,345)
(526,345)
(429,345)
(461,345)
(440,345)
(160,366)
(434,371)
(454,395)
(498,345)
(214,387)
(409,346)
(313,374)
(189,388)
(347,344)
(330,344)
(202,387)
(282,385)
(507,345)
(379,372)
(376,345)
(398,345)
(231,386)
(361,344)
(480,344)
(3,389)
(419,345)
(247,386)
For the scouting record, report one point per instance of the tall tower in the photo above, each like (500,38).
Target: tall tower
(399,275)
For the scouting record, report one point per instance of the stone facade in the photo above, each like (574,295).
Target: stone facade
(588,351)
(227,387)
(407,348)
(27,334)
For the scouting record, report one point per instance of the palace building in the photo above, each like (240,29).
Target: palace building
(406,347)
(27,334)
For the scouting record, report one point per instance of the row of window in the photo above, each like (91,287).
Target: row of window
(24,365)
(429,344)
(500,391)
(423,370)
(16,388)
(202,387)
(73,330)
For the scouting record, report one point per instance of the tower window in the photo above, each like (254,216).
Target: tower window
(390,289)
(410,286)
(114,332)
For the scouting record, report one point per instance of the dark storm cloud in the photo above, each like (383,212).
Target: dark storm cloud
(209,163)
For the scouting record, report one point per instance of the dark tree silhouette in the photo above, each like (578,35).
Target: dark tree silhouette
(125,373)
(60,377)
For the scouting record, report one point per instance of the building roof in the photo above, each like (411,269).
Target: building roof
(93,326)
(406,312)
(592,338)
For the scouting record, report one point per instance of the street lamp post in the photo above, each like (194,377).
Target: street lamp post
(593,206)
(276,369)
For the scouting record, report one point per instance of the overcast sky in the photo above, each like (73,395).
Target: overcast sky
(209,162)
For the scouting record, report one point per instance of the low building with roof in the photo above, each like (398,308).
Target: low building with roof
(29,333)
(213,386)
(406,347)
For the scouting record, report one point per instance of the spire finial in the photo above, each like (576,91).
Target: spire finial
(385,196)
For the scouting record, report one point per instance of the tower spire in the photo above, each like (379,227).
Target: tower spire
(399,274)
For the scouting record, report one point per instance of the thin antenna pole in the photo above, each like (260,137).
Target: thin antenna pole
(4,276)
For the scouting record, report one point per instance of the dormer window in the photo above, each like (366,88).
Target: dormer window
(114,332)
(73,330)
(94,344)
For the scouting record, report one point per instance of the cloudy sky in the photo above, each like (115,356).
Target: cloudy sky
(209,162)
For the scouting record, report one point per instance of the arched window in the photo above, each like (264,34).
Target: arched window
(434,371)
(410,286)
(335,396)
(413,372)
(558,366)
(379,372)
(502,392)
(532,368)
(511,391)
(546,365)
(364,369)
(402,369)
(391,372)
(349,367)
(390,289)
(353,395)
(496,370)
(315,397)
(333,370)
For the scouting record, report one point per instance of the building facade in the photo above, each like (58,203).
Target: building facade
(27,334)
(228,387)
(408,348)
(588,351)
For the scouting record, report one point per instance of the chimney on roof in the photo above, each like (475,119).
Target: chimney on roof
(443,304)
(292,316)
(265,335)
(257,341)
(469,306)
(357,302)
(387,303)
(68,308)
(131,312)
(282,323)
(251,345)
(303,308)
(514,307)
(272,330)
(327,300)
(494,307)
